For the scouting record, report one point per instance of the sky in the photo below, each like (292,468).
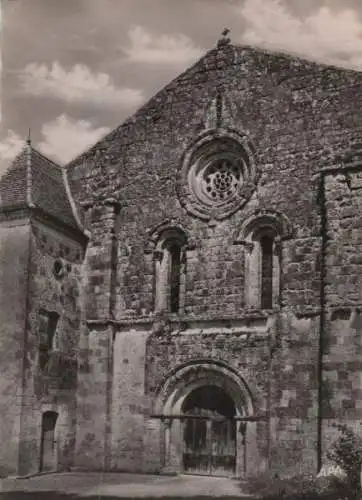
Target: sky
(73,70)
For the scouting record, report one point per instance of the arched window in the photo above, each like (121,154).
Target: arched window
(261,236)
(262,269)
(170,271)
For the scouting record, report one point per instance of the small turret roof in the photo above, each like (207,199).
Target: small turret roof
(32,180)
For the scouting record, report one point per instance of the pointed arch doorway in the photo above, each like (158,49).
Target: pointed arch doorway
(209,432)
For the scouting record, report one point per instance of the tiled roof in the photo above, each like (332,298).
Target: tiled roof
(34,180)
(13,183)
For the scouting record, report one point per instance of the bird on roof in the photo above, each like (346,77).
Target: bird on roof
(224,39)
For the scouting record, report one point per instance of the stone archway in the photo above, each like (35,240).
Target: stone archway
(222,443)
(209,432)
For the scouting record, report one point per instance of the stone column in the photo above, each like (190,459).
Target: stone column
(96,370)
(101,260)
(92,450)
(241,429)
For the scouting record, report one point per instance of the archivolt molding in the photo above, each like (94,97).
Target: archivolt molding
(180,382)
(263,219)
(168,227)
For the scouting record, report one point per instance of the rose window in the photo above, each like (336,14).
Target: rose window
(221,179)
(217,178)
(217,175)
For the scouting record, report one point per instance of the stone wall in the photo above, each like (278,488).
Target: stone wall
(93,399)
(130,403)
(342,348)
(54,387)
(294,394)
(14,255)
(138,164)
(245,351)
(298,116)
(96,340)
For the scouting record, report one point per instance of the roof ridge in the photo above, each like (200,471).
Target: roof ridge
(17,156)
(52,162)
(223,47)
(25,151)
(293,56)
(29,178)
(72,204)
(14,163)
(132,118)
(62,181)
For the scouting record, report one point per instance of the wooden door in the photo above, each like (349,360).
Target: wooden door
(209,446)
(223,447)
(196,456)
(209,432)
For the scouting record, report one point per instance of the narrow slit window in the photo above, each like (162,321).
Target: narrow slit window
(175,281)
(266,244)
(48,322)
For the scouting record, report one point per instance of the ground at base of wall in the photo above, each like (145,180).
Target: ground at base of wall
(299,487)
(70,486)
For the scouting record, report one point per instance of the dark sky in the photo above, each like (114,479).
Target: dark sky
(74,69)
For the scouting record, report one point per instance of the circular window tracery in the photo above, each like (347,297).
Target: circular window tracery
(219,179)
(218,175)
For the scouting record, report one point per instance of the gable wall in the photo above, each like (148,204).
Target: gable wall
(294,129)
(296,124)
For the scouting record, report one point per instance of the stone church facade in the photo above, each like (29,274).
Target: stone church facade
(186,295)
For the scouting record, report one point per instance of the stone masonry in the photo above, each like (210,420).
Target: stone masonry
(284,135)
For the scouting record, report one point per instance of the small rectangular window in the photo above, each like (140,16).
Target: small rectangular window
(48,321)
